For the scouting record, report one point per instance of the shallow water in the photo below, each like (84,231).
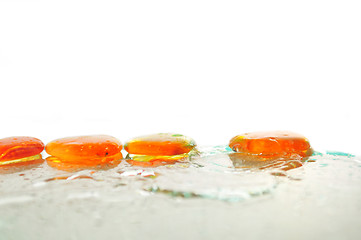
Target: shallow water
(209,197)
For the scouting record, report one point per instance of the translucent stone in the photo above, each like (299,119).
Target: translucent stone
(158,149)
(161,144)
(74,153)
(271,145)
(20,149)
(279,150)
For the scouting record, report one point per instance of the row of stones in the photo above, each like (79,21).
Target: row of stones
(100,150)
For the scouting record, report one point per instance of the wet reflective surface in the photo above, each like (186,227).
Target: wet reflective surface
(212,195)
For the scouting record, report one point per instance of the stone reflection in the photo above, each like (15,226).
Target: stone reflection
(244,161)
(79,166)
(20,166)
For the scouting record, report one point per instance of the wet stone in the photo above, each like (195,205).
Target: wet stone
(278,144)
(158,149)
(83,152)
(20,149)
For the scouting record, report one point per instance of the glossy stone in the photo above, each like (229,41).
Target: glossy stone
(20,149)
(84,151)
(267,145)
(158,149)
(162,144)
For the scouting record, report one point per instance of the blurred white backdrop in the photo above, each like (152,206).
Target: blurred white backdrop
(207,69)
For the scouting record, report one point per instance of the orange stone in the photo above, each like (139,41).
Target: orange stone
(162,144)
(158,149)
(278,144)
(20,149)
(84,150)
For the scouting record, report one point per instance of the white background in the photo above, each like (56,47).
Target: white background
(207,69)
